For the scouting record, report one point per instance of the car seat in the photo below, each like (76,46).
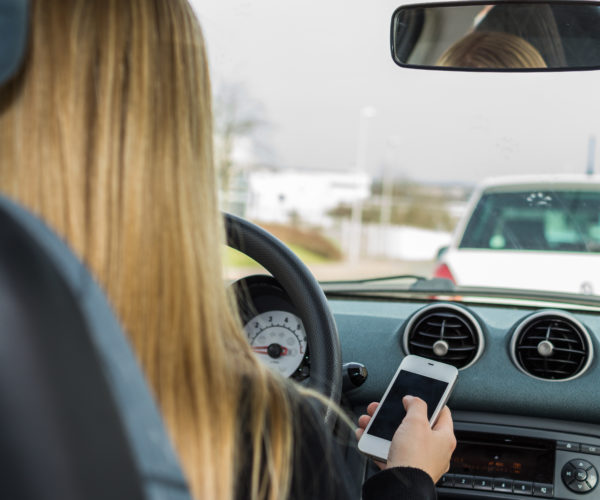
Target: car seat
(77,420)
(524,234)
(76,417)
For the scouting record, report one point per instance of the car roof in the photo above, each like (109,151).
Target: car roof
(542,181)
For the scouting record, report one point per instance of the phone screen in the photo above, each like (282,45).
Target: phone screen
(392,410)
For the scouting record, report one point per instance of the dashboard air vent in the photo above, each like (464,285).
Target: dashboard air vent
(551,345)
(446,333)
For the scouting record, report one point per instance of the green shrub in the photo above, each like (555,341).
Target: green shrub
(309,239)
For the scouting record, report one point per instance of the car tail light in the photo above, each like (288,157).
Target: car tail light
(443,271)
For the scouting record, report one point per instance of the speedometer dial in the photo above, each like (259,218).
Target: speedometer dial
(278,339)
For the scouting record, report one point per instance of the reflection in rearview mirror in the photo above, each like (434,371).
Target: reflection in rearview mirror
(503,36)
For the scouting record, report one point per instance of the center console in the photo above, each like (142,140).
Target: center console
(497,462)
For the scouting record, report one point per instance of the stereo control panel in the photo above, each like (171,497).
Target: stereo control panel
(509,462)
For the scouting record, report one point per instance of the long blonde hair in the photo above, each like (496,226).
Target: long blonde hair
(106,134)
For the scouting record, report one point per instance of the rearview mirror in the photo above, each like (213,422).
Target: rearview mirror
(502,36)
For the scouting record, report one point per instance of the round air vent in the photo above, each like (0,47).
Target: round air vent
(446,333)
(551,345)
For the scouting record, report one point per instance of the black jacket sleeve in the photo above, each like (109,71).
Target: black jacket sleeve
(320,470)
(400,483)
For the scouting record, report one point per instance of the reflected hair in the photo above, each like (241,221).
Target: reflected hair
(481,49)
(534,22)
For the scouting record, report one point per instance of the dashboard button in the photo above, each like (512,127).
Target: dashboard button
(483,483)
(503,485)
(580,475)
(567,445)
(591,449)
(579,487)
(523,487)
(461,481)
(447,480)
(543,490)
(581,464)
(583,476)
(568,473)
(592,477)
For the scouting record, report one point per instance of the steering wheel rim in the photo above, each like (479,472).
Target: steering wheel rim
(307,296)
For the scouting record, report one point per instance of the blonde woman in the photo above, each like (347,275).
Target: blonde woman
(482,49)
(106,134)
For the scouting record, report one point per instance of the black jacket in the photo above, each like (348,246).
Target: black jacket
(320,470)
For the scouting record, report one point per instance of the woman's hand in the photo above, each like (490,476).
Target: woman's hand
(415,443)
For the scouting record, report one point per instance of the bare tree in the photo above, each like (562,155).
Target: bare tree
(236,116)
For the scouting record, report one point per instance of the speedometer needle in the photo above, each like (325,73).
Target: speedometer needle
(264,349)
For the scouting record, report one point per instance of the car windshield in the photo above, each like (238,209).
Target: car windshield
(367,169)
(550,221)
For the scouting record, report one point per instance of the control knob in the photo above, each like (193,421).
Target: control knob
(579,476)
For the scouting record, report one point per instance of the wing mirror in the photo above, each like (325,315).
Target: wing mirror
(502,36)
(440,253)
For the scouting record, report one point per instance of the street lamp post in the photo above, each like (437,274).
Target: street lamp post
(355,239)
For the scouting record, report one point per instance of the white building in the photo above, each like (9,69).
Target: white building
(280,195)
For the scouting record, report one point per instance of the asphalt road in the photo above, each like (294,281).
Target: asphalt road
(345,270)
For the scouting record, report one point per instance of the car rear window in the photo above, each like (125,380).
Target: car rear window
(555,221)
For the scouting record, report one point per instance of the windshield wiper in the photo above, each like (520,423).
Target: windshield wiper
(386,284)
(379,279)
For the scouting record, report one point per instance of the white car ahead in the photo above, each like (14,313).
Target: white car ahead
(530,232)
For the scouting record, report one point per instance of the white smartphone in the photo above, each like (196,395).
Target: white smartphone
(429,380)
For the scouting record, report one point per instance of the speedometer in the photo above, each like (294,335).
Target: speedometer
(278,339)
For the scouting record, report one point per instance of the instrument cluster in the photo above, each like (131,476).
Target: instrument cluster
(273,327)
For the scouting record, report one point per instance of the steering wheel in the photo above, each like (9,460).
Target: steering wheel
(306,295)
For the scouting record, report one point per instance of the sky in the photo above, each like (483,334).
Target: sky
(307,69)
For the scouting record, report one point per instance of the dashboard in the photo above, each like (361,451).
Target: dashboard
(371,332)
(527,403)
(519,433)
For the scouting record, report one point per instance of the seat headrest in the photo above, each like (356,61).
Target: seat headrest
(77,419)
(13,36)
